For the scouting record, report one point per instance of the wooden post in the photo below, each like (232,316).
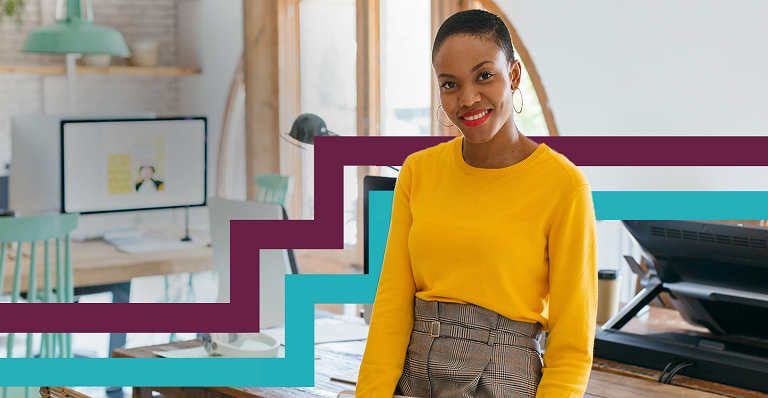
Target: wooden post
(368,98)
(290,98)
(441,10)
(262,100)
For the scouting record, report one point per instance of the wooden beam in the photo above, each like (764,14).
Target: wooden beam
(368,82)
(441,10)
(232,115)
(262,100)
(290,98)
(53,70)
(491,6)
(368,96)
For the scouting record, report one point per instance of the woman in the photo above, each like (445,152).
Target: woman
(492,242)
(146,182)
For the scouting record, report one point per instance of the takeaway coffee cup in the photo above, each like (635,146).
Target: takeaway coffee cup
(608,289)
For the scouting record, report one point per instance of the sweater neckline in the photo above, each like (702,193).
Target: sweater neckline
(502,172)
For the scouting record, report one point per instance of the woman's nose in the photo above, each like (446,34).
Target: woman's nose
(468,97)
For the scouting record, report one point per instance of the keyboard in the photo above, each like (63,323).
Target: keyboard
(146,245)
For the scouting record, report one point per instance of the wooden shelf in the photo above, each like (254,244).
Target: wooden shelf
(109,70)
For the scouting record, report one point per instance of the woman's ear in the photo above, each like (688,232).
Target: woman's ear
(515,74)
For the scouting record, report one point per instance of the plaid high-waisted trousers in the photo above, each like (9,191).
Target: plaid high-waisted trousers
(464,350)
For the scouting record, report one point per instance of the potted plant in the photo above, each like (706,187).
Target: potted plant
(12,9)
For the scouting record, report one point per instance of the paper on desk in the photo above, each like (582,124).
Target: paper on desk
(327,333)
(199,352)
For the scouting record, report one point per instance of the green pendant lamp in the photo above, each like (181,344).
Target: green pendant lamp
(75,35)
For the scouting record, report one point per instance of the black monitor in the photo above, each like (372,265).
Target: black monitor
(3,192)
(133,164)
(716,275)
(716,272)
(372,183)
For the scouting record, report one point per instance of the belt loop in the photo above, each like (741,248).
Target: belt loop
(434,329)
(494,331)
(491,338)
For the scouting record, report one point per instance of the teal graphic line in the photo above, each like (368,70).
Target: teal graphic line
(304,291)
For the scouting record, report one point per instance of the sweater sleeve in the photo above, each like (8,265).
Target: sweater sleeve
(573,299)
(392,318)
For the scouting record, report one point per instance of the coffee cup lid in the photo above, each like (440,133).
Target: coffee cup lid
(608,274)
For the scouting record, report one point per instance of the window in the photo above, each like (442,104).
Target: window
(405,67)
(531,121)
(329,90)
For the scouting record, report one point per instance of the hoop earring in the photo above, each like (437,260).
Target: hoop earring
(521,100)
(437,116)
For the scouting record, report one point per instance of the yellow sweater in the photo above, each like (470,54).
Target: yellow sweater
(519,240)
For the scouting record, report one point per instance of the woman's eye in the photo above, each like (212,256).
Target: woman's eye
(448,85)
(485,75)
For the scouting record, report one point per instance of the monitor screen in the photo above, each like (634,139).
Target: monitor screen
(137,164)
(378,194)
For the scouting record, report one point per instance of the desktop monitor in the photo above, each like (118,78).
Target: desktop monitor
(378,195)
(715,275)
(34,185)
(132,164)
(716,272)
(3,192)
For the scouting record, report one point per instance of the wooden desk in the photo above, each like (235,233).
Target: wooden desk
(606,380)
(97,263)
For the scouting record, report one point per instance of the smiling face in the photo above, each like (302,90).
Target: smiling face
(475,80)
(145,173)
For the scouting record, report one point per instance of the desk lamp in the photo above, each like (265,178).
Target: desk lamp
(72,36)
(306,127)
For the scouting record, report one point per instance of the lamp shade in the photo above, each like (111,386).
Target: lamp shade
(306,127)
(74,35)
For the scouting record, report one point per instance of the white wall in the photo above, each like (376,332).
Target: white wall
(210,37)
(652,67)
(22,94)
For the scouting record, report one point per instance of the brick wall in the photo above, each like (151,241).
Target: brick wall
(96,94)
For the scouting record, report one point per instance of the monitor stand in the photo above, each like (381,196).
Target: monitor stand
(186,237)
(712,358)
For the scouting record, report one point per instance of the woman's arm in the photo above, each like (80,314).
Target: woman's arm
(392,317)
(572,299)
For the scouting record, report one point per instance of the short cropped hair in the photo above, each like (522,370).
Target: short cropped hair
(478,23)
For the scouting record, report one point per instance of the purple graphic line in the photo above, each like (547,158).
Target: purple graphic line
(326,230)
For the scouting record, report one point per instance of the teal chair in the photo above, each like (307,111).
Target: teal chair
(28,232)
(274,188)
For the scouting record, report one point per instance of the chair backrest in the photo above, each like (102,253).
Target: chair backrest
(31,231)
(274,188)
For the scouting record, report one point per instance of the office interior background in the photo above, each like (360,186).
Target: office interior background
(593,68)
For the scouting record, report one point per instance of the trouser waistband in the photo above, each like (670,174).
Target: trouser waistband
(472,322)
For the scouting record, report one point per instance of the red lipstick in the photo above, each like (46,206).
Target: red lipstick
(476,122)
